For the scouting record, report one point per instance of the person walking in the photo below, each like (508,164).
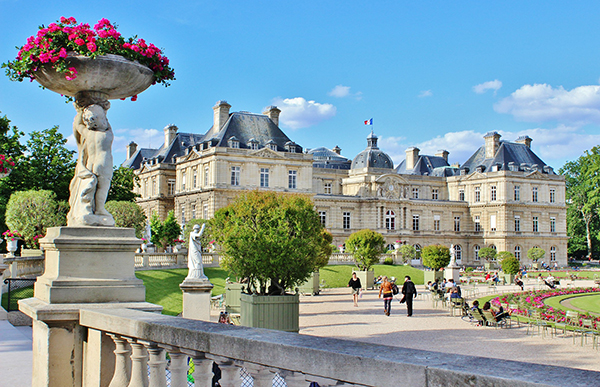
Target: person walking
(354,283)
(388,295)
(409,291)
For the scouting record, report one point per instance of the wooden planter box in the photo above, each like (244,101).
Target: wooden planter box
(489,266)
(272,312)
(432,275)
(366,278)
(232,297)
(509,278)
(311,286)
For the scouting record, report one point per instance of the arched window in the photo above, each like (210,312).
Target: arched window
(494,247)
(518,252)
(553,254)
(458,252)
(476,252)
(390,220)
(418,250)
(390,247)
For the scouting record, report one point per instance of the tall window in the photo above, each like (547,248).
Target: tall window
(477,194)
(146,193)
(171,187)
(434,194)
(183,178)
(235,175)
(264,177)
(553,253)
(552,195)
(534,194)
(292,175)
(493,193)
(346,221)
(206,176)
(154,186)
(461,194)
(535,224)
(517,193)
(457,223)
(436,223)
(183,214)
(194,177)
(476,252)
(415,222)
(415,192)
(418,250)
(193,211)
(458,252)
(518,252)
(323,218)
(205,211)
(390,220)
(517,223)
(493,222)
(477,222)
(552,224)
(327,188)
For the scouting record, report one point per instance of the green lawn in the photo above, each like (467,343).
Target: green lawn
(591,302)
(18,295)
(337,276)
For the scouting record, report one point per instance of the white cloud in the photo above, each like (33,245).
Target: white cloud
(299,113)
(341,91)
(425,93)
(485,86)
(144,138)
(542,102)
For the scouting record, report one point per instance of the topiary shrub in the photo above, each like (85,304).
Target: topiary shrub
(510,264)
(535,254)
(365,246)
(388,261)
(436,256)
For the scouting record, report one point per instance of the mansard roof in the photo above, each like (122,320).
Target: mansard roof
(428,166)
(246,126)
(164,154)
(372,156)
(509,156)
(326,158)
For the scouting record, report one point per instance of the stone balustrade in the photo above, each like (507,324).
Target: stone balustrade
(149,261)
(136,342)
(24,266)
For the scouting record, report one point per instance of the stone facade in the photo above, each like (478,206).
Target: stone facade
(503,196)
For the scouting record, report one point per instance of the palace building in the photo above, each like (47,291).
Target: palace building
(503,196)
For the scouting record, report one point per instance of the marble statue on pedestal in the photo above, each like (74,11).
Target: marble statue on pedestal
(196,270)
(452,256)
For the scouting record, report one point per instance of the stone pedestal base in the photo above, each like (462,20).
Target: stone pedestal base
(196,298)
(452,272)
(89,265)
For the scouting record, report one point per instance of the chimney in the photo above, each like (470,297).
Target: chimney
(131,148)
(526,140)
(412,155)
(273,113)
(337,150)
(492,142)
(170,133)
(443,154)
(221,115)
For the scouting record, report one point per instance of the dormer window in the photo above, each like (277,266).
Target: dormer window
(233,142)
(272,145)
(253,144)
(290,146)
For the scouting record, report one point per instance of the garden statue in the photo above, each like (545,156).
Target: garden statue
(196,270)
(452,256)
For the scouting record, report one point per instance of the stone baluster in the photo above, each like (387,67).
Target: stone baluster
(203,371)
(157,361)
(122,362)
(230,372)
(139,365)
(179,369)
(263,376)
(294,379)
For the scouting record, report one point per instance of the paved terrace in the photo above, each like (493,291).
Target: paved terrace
(331,314)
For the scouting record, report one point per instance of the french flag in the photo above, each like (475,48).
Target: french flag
(369,122)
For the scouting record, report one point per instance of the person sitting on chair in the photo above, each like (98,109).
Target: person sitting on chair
(499,316)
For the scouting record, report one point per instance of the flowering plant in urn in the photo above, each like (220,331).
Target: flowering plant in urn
(11,235)
(5,165)
(55,45)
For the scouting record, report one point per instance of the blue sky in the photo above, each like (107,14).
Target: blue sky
(431,74)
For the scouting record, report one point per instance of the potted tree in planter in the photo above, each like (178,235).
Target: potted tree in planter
(272,242)
(312,285)
(365,246)
(407,253)
(435,257)
(510,266)
(489,255)
(535,254)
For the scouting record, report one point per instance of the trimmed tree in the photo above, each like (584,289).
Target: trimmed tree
(435,256)
(128,214)
(535,254)
(325,251)
(407,253)
(164,233)
(487,253)
(269,239)
(31,213)
(510,264)
(366,246)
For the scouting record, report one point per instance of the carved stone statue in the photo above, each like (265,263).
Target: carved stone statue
(93,172)
(452,256)
(196,270)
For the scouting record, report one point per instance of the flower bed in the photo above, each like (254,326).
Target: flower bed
(535,301)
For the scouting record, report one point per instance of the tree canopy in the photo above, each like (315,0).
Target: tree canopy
(122,184)
(164,233)
(269,239)
(535,254)
(435,256)
(366,246)
(128,214)
(487,253)
(509,264)
(407,252)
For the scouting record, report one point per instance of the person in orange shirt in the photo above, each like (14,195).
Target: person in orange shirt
(386,290)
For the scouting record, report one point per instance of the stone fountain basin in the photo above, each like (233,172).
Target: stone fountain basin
(112,75)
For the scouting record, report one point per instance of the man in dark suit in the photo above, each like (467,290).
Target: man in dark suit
(409,291)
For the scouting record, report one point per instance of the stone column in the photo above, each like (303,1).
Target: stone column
(86,267)
(196,298)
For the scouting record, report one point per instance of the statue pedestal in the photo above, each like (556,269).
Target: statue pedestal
(3,312)
(196,298)
(452,272)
